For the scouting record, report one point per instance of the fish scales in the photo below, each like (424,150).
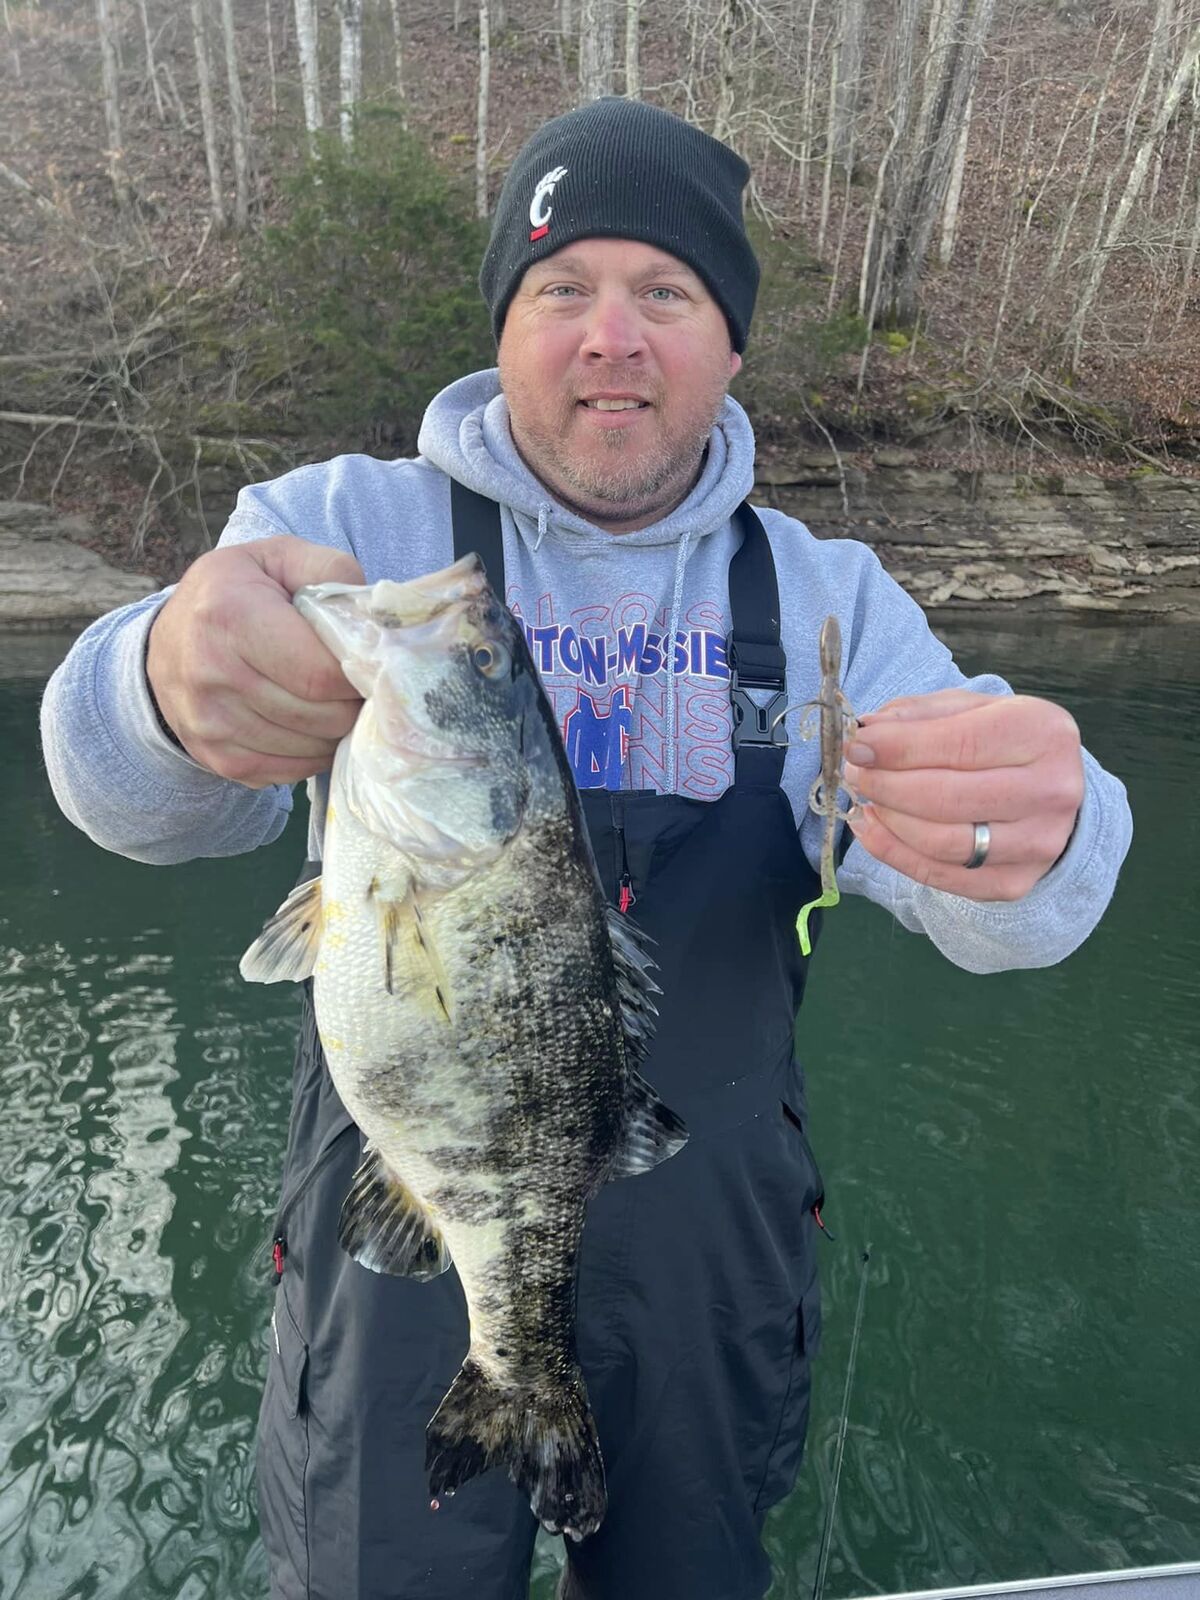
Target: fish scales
(481,1015)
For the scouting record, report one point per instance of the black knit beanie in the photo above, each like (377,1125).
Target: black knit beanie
(621,169)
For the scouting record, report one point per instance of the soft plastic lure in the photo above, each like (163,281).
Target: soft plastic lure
(830,716)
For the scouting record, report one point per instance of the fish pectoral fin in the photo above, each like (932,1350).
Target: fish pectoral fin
(288,945)
(652,1131)
(401,924)
(385,1227)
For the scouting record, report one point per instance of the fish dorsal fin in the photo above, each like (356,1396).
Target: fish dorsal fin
(652,1130)
(635,986)
(385,1227)
(403,930)
(287,947)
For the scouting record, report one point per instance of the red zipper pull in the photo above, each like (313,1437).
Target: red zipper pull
(627,897)
(278,1251)
(816,1211)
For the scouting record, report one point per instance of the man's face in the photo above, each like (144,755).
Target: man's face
(624,324)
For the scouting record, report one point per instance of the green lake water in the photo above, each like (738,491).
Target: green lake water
(1021,1153)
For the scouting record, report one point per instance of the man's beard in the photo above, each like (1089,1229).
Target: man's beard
(629,481)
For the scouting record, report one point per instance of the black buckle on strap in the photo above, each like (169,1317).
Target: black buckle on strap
(755,724)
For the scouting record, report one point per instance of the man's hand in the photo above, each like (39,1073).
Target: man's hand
(933,765)
(238,674)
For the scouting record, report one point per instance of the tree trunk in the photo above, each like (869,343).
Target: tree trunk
(238,122)
(633,73)
(271,59)
(151,69)
(481,118)
(595,49)
(729,21)
(499,17)
(398,42)
(112,102)
(921,190)
(310,77)
(835,67)
(954,192)
(349,67)
(208,118)
(845,102)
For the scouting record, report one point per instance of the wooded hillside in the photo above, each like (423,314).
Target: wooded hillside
(242,233)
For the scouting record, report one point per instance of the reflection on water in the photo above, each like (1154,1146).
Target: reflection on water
(1020,1151)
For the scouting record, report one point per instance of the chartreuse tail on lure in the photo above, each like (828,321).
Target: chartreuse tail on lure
(828,897)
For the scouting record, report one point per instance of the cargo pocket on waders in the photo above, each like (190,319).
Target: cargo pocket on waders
(787,1451)
(283,1452)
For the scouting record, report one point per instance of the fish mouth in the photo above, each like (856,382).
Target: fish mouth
(390,603)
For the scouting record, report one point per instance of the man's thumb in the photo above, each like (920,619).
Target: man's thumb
(293,562)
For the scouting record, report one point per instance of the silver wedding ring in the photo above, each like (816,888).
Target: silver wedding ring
(983,843)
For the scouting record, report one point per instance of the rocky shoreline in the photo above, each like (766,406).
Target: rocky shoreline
(1005,541)
(958,541)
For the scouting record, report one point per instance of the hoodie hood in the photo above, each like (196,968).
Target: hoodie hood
(466,433)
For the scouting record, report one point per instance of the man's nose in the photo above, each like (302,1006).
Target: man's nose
(614,329)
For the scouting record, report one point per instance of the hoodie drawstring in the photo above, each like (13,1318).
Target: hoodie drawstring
(681,556)
(543,524)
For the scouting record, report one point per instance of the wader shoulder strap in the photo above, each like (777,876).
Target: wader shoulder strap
(476,525)
(755,656)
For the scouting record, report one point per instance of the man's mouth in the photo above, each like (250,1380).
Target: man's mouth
(604,404)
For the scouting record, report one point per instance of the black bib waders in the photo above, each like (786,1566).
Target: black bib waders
(698,1299)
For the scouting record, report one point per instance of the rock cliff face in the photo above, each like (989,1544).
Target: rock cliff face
(955,540)
(48,580)
(964,540)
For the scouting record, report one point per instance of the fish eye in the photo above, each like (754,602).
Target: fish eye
(491,660)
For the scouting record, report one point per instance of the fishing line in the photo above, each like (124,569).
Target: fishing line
(827,1531)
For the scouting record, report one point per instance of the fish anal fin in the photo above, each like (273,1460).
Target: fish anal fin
(288,945)
(652,1130)
(384,1227)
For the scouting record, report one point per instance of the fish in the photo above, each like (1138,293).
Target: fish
(830,717)
(484,1012)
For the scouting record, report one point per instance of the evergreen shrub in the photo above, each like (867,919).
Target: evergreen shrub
(369,288)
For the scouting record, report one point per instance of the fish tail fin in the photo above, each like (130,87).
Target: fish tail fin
(545,1437)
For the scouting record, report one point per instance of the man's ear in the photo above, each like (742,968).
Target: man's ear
(735,364)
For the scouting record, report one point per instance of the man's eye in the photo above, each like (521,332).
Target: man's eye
(664,294)
(560,291)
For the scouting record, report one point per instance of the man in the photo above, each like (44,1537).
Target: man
(606,471)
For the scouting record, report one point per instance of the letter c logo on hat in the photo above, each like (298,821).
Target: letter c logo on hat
(539,211)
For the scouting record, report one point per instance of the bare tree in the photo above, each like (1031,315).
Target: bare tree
(1171,97)
(271,59)
(238,121)
(398,43)
(350,18)
(208,117)
(481,111)
(923,175)
(595,49)
(112,101)
(310,77)
(729,21)
(849,82)
(151,69)
(954,191)
(633,71)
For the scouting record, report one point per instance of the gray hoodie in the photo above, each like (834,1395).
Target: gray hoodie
(628,633)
